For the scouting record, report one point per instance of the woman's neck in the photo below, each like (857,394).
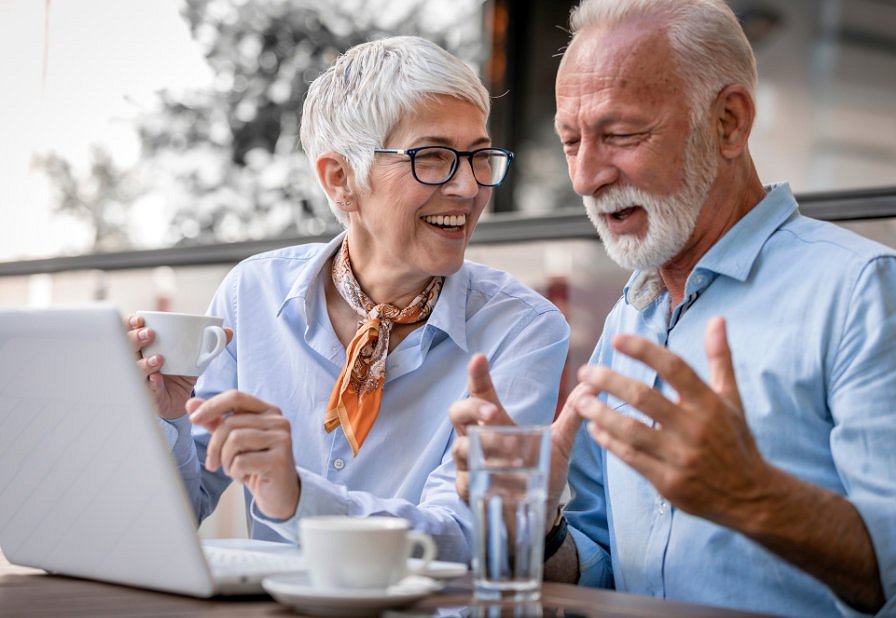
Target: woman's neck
(385,282)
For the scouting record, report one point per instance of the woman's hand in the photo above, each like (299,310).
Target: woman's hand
(169,393)
(252,443)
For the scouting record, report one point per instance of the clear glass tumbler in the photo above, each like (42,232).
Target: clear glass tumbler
(508,491)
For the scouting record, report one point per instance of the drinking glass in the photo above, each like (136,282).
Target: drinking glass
(508,492)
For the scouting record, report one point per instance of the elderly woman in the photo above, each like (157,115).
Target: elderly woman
(332,396)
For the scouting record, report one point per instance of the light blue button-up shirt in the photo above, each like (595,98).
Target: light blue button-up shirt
(285,352)
(811,320)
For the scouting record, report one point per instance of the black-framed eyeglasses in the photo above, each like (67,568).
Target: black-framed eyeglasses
(436,165)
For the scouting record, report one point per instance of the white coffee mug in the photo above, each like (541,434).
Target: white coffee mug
(186,342)
(354,552)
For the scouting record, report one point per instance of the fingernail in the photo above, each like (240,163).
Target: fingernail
(153,361)
(196,415)
(133,321)
(143,334)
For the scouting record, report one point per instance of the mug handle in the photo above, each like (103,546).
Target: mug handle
(220,340)
(425,542)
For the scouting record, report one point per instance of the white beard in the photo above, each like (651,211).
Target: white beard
(670,220)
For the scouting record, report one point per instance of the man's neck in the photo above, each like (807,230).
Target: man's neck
(725,205)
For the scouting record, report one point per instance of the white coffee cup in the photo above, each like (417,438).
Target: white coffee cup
(186,342)
(354,552)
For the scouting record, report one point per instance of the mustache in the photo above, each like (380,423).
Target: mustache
(615,199)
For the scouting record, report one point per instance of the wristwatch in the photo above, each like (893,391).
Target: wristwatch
(554,540)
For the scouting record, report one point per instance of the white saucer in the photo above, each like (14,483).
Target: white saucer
(296,591)
(438,569)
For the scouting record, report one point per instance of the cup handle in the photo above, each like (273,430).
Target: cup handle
(425,542)
(210,333)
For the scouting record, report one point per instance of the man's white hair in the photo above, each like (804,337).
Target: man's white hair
(709,46)
(353,105)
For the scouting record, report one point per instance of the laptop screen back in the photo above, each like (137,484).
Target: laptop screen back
(87,484)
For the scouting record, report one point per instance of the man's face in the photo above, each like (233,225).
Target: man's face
(623,118)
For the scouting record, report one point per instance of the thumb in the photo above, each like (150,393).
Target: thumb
(479,385)
(721,365)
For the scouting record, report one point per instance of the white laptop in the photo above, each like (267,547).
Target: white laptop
(88,486)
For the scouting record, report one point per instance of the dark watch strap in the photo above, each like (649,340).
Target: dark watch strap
(554,540)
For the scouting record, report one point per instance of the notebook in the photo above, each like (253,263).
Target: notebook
(88,486)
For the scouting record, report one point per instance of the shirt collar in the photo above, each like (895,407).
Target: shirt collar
(732,256)
(450,312)
(303,286)
(448,316)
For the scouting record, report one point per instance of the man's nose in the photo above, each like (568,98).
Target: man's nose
(591,169)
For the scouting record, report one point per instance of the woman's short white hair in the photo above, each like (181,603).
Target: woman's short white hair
(353,105)
(710,48)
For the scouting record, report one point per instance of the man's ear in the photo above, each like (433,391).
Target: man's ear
(335,177)
(734,112)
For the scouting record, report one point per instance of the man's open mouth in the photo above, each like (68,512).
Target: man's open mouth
(625,213)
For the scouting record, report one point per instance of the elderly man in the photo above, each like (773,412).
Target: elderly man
(740,447)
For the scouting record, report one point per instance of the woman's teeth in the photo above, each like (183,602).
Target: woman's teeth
(446,221)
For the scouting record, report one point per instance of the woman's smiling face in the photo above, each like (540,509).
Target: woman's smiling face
(411,230)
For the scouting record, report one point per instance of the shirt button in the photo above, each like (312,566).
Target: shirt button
(339,464)
(661,507)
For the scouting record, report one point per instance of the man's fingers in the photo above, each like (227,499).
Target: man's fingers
(637,394)
(721,365)
(623,430)
(641,461)
(566,425)
(675,371)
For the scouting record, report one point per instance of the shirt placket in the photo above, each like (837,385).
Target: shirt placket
(662,512)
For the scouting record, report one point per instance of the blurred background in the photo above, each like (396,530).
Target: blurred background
(148,145)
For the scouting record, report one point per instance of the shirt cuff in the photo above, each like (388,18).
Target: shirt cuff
(318,497)
(595,567)
(287,528)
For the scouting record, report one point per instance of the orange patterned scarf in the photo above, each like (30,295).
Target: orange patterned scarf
(355,402)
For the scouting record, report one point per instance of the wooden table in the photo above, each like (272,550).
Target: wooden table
(34,594)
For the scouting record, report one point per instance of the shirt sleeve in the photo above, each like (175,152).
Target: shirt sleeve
(188,443)
(588,513)
(526,370)
(862,400)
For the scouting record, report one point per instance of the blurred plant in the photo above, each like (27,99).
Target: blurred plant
(100,197)
(226,159)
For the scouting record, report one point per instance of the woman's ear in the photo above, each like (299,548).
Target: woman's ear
(335,177)
(735,112)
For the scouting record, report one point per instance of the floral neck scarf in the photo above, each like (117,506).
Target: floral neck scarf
(355,402)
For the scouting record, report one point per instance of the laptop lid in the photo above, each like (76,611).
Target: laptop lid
(88,486)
